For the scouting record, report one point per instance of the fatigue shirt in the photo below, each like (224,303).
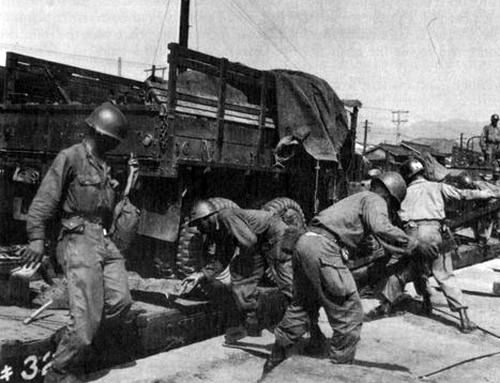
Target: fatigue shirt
(355,217)
(425,200)
(78,184)
(245,229)
(491,134)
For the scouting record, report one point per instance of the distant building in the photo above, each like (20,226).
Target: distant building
(390,156)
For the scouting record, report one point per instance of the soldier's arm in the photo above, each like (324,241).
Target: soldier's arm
(217,257)
(238,228)
(376,218)
(452,193)
(47,198)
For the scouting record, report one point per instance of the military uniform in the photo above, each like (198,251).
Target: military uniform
(490,142)
(78,186)
(258,235)
(422,212)
(321,276)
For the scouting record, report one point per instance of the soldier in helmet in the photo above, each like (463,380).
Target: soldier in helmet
(78,187)
(422,213)
(490,140)
(257,236)
(321,276)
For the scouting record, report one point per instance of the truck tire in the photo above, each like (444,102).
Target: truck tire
(191,242)
(290,211)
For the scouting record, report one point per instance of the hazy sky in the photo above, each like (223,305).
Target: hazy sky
(438,59)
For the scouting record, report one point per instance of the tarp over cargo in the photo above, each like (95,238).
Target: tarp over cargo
(309,110)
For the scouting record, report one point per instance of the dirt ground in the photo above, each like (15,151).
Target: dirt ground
(403,348)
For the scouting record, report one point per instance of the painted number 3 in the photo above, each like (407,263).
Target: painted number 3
(31,368)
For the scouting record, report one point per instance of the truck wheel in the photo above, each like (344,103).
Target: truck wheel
(290,211)
(191,242)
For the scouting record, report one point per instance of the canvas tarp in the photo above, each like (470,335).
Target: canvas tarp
(310,111)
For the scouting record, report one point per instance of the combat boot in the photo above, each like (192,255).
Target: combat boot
(381,311)
(252,325)
(54,376)
(278,355)
(426,306)
(317,341)
(234,334)
(466,325)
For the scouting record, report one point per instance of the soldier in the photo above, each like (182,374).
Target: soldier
(422,213)
(256,235)
(490,139)
(321,277)
(79,187)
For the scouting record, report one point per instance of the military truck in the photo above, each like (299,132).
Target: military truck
(213,129)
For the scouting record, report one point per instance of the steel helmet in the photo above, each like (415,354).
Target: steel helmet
(394,183)
(411,168)
(465,180)
(201,209)
(109,120)
(494,117)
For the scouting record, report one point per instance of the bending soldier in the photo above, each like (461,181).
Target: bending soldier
(321,276)
(256,235)
(78,186)
(490,140)
(422,213)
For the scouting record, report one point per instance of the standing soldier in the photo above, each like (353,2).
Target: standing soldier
(79,187)
(422,213)
(490,140)
(321,277)
(256,236)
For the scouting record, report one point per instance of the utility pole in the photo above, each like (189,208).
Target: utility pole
(184,24)
(366,136)
(399,117)
(119,66)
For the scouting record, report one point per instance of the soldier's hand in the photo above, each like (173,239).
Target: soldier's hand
(33,253)
(190,282)
(133,162)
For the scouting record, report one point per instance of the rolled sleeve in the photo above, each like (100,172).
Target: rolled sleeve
(452,193)
(376,217)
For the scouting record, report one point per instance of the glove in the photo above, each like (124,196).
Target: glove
(190,282)
(33,253)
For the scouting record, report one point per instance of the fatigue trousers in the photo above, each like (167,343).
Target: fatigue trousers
(491,151)
(322,279)
(97,288)
(247,269)
(429,260)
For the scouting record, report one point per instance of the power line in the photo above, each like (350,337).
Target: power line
(108,59)
(377,108)
(283,35)
(161,31)
(241,12)
(196,24)
(398,120)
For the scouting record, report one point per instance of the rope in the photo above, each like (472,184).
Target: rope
(161,31)
(486,331)
(458,364)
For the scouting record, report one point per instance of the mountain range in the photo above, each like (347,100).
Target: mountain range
(440,134)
